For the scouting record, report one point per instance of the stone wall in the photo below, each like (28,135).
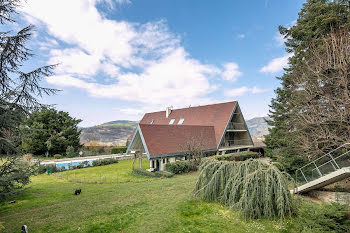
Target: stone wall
(340,197)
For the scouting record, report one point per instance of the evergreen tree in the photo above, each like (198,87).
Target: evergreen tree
(18,97)
(18,89)
(317,18)
(49,130)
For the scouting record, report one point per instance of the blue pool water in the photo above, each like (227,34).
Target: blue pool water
(66,165)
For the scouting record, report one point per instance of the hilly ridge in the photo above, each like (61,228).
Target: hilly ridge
(109,133)
(258,127)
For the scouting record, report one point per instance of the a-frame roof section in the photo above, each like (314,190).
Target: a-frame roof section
(166,140)
(137,142)
(216,115)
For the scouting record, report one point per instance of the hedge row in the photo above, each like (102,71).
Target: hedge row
(119,149)
(102,162)
(239,156)
(180,167)
(143,172)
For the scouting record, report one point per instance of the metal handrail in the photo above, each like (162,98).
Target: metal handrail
(335,159)
(242,142)
(325,155)
(237,126)
(331,160)
(237,140)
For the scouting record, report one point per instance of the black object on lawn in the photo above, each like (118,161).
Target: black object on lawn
(24,229)
(77,192)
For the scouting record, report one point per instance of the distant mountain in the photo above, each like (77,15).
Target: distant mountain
(109,133)
(258,127)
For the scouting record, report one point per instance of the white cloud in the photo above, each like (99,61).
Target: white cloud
(256,90)
(236,92)
(231,72)
(123,1)
(241,36)
(292,23)
(131,111)
(279,38)
(276,65)
(74,61)
(186,83)
(243,90)
(84,28)
(47,44)
(146,63)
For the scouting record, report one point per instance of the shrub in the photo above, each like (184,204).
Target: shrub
(54,168)
(82,165)
(119,149)
(15,174)
(192,166)
(325,217)
(164,174)
(41,169)
(85,164)
(239,156)
(143,172)
(96,148)
(178,167)
(57,156)
(255,188)
(70,151)
(102,162)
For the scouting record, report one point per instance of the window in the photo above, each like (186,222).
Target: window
(152,121)
(171,121)
(181,121)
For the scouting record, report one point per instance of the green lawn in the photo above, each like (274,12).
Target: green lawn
(115,200)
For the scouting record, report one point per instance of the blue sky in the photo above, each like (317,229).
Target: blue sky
(122,58)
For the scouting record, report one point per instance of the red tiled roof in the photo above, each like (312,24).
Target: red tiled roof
(168,139)
(216,115)
(259,144)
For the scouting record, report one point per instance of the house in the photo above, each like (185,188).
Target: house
(166,136)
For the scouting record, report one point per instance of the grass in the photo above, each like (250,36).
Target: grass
(115,200)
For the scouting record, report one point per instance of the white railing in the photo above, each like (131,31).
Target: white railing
(232,143)
(236,126)
(330,162)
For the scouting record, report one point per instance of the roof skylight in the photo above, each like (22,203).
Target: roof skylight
(171,121)
(181,121)
(152,121)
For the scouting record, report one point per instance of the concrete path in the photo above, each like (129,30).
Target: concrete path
(81,159)
(330,178)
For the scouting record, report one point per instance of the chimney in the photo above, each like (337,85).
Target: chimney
(168,111)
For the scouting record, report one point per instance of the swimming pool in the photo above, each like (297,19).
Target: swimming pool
(66,164)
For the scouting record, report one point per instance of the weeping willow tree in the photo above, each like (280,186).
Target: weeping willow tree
(255,188)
